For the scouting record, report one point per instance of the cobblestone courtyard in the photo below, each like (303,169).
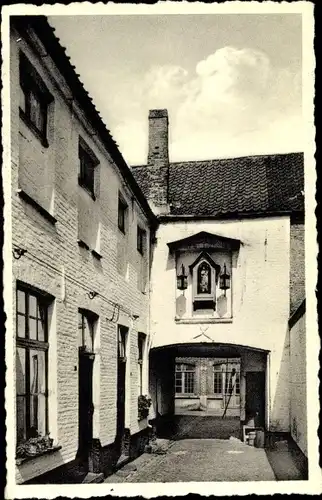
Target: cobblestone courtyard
(203,460)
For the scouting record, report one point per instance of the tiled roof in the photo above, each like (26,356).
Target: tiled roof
(228,187)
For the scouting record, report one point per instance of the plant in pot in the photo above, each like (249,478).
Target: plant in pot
(144,404)
(34,446)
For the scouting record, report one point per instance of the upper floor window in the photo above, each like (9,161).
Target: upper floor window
(31,363)
(140,240)
(86,329)
(35,99)
(122,215)
(87,164)
(184,378)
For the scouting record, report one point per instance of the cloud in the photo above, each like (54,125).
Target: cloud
(235,103)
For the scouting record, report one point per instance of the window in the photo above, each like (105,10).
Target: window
(140,240)
(226,380)
(184,378)
(218,380)
(34,99)
(87,164)
(31,363)
(122,211)
(86,329)
(122,334)
(141,343)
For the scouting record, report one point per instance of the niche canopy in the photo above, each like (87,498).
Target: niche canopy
(204,241)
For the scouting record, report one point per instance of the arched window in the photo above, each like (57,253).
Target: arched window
(204,278)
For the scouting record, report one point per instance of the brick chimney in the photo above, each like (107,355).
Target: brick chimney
(158,161)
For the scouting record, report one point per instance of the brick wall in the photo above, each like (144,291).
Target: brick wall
(297,265)
(55,263)
(298,383)
(158,160)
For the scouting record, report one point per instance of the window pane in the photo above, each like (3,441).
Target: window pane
(21,326)
(217,382)
(37,371)
(22,100)
(178,382)
(21,301)
(32,328)
(88,333)
(189,382)
(32,306)
(35,111)
(37,392)
(80,329)
(42,414)
(41,331)
(21,371)
(21,418)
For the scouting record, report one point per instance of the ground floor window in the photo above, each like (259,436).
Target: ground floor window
(226,380)
(184,378)
(31,363)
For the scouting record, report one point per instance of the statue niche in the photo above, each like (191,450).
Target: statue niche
(204,279)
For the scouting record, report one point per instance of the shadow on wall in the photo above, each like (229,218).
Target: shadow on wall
(181,305)
(222,305)
(280,406)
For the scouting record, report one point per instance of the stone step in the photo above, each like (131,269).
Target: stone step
(92,478)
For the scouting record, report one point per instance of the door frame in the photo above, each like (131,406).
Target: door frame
(85,442)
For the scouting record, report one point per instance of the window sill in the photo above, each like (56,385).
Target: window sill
(122,231)
(33,128)
(186,396)
(25,197)
(20,461)
(82,244)
(96,255)
(86,188)
(187,321)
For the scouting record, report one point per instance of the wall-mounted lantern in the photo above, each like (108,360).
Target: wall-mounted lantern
(224,280)
(182,279)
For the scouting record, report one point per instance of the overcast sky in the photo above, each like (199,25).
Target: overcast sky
(231,83)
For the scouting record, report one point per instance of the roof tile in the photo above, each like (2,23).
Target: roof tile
(250,184)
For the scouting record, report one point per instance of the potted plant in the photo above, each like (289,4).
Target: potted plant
(144,404)
(34,446)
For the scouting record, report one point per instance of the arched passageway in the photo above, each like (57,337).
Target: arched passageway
(208,390)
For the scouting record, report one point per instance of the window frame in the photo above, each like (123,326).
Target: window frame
(183,371)
(226,381)
(122,212)
(26,343)
(92,319)
(31,83)
(140,240)
(87,163)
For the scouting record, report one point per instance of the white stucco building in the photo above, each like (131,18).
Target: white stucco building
(227,270)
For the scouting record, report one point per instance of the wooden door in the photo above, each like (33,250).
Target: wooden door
(85,405)
(121,371)
(255,397)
